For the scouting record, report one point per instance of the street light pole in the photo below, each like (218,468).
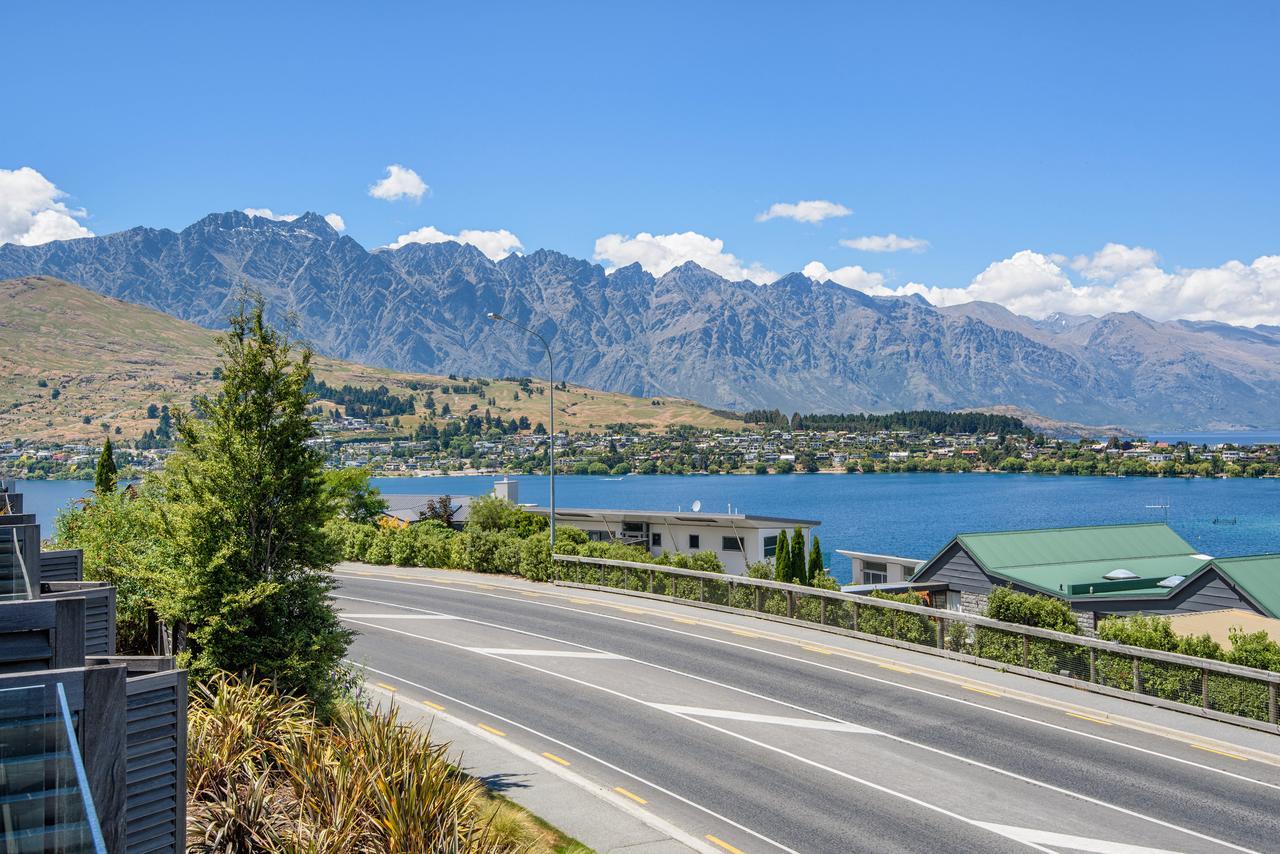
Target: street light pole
(551,439)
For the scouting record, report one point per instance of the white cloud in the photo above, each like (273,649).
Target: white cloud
(886,243)
(31,212)
(852,276)
(658,253)
(1113,261)
(812,211)
(1117,278)
(400,182)
(494,244)
(333,219)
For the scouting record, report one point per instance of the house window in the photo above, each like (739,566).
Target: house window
(771,546)
(695,541)
(656,540)
(870,576)
(731,544)
(637,528)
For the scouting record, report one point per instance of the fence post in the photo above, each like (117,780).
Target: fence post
(651,581)
(702,590)
(791,603)
(760,599)
(853,617)
(1026,652)
(1204,687)
(626,577)
(602,584)
(941,627)
(1093,665)
(1137,677)
(1271,704)
(822,610)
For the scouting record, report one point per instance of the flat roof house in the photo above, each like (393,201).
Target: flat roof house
(1104,569)
(736,538)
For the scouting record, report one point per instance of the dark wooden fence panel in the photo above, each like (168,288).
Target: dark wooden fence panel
(156,763)
(41,634)
(99,611)
(66,565)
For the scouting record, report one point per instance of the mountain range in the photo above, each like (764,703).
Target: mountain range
(795,344)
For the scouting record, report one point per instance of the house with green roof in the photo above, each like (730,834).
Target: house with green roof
(1102,570)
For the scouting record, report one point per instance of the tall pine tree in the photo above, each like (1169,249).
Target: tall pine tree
(782,559)
(799,572)
(247,509)
(104,477)
(816,569)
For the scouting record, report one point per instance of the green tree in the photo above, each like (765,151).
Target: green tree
(799,572)
(782,558)
(247,510)
(104,478)
(352,496)
(816,569)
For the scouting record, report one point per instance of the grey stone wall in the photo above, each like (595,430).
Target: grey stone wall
(973,603)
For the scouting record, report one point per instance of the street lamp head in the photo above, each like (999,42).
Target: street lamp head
(493,315)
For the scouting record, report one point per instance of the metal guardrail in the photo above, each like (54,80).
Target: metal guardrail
(1214,689)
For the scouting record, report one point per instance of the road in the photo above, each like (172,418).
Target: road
(748,740)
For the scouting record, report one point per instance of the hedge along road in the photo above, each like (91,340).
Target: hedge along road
(773,747)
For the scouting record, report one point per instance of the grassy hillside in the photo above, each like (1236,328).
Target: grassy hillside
(67,353)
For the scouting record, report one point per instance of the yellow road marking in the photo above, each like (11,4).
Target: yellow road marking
(980,690)
(436,706)
(816,649)
(492,730)
(741,633)
(384,686)
(483,586)
(529,593)
(894,667)
(630,610)
(725,845)
(685,620)
(1219,752)
(1090,719)
(581,601)
(632,795)
(555,758)
(410,577)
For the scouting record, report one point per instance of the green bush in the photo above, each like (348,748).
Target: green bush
(892,623)
(1027,609)
(1231,694)
(490,513)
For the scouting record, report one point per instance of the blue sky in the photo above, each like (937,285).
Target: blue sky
(987,130)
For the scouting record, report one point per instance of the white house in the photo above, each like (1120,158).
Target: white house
(736,538)
(869,568)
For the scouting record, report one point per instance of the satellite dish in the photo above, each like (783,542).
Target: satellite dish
(697,505)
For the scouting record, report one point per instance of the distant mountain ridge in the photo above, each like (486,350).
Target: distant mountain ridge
(796,344)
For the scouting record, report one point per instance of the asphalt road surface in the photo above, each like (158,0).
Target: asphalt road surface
(748,739)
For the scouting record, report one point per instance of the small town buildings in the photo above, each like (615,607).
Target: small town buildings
(1103,570)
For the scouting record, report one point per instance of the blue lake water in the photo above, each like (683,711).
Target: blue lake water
(912,515)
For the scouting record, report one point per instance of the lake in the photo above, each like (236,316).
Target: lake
(910,514)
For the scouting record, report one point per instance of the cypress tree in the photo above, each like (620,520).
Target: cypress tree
(247,508)
(782,559)
(104,478)
(816,569)
(799,572)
